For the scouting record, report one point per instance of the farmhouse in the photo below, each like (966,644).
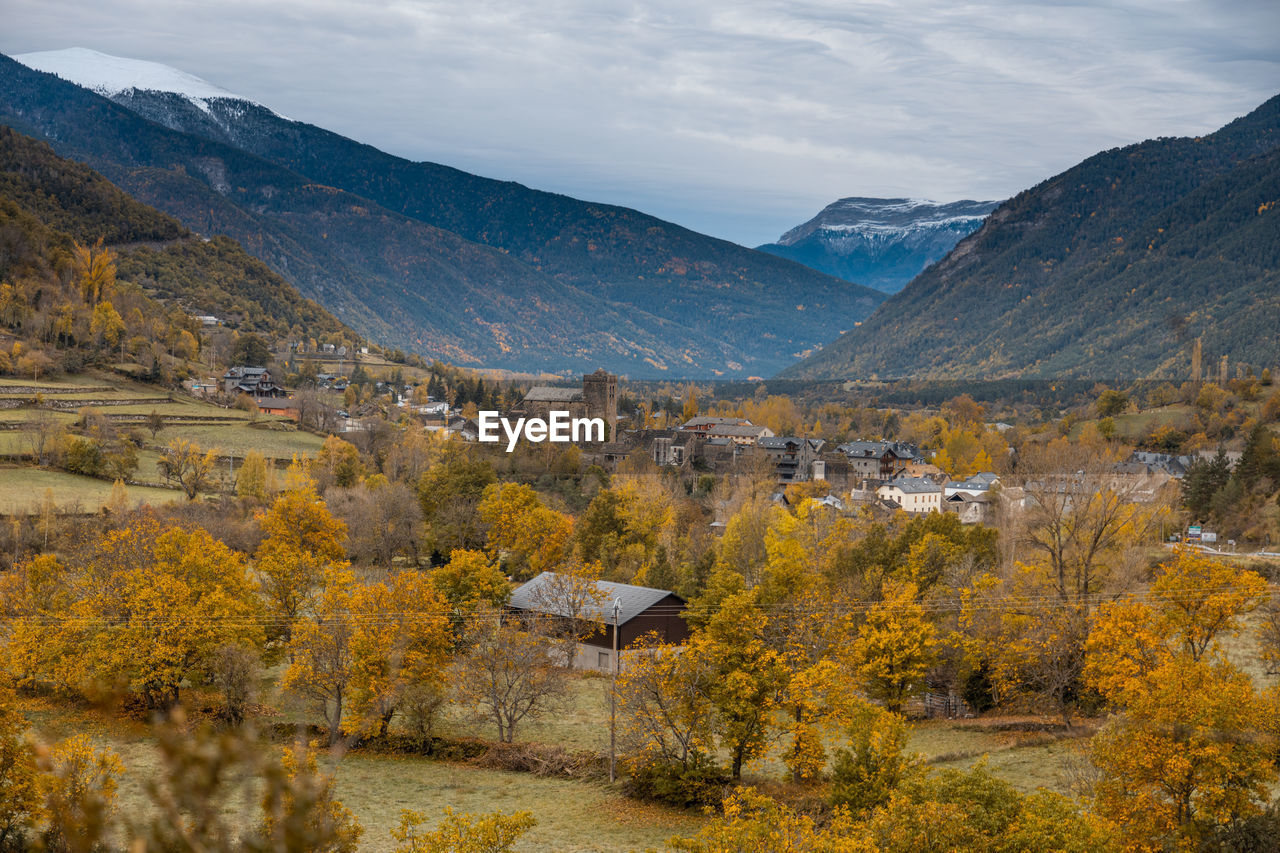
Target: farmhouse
(641,610)
(279,406)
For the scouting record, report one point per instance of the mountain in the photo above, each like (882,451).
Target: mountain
(64,201)
(426,257)
(1108,270)
(880,242)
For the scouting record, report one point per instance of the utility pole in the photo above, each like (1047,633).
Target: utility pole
(613,696)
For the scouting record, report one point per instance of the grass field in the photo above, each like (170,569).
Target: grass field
(241,438)
(23,489)
(572,815)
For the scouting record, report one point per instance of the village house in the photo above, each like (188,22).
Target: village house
(279,406)
(641,610)
(704,423)
(254,381)
(878,460)
(793,458)
(672,447)
(972,509)
(1175,466)
(913,494)
(978,485)
(737,430)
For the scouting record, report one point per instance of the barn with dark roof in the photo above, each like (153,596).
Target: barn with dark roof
(641,610)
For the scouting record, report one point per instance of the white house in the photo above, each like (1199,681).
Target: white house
(913,494)
(976,486)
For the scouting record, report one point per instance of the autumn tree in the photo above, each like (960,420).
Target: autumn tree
(1192,750)
(747,676)
(43,432)
(894,647)
(400,646)
(470,582)
(1079,513)
(336,464)
(449,493)
(508,673)
(742,547)
(186,464)
(303,813)
(1191,753)
(383,520)
(873,762)
(574,607)
(95,270)
(523,532)
(1029,644)
(20,801)
(79,786)
(665,710)
(322,660)
(106,325)
(1194,601)
(302,541)
(250,350)
(157,623)
(251,479)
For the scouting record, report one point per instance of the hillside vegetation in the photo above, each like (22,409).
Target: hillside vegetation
(1111,269)
(51,204)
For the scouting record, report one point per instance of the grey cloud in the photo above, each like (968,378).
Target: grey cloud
(736,118)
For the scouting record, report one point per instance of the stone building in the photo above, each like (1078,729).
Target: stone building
(598,398)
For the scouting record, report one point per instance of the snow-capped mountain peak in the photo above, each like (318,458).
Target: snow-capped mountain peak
(114,75)
(880,242)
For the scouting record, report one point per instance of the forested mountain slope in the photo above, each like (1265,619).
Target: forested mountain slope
(443,262)
(1109,269)
(48,204)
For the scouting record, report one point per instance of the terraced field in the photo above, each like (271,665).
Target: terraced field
(129,406)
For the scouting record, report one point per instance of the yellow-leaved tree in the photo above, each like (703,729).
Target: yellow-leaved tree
(321,658)
(188,466)
(747,676)
(1193,749)
(524,534)
(895,646)
(400,648)
(470,582)
(20,801)
(155,604)
(302,541)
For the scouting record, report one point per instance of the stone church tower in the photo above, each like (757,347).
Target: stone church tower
(600,393)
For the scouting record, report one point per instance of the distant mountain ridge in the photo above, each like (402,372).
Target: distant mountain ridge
(424,256)
(1108,270)
(880,242)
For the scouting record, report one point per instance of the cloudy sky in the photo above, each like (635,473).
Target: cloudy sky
(737,118)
